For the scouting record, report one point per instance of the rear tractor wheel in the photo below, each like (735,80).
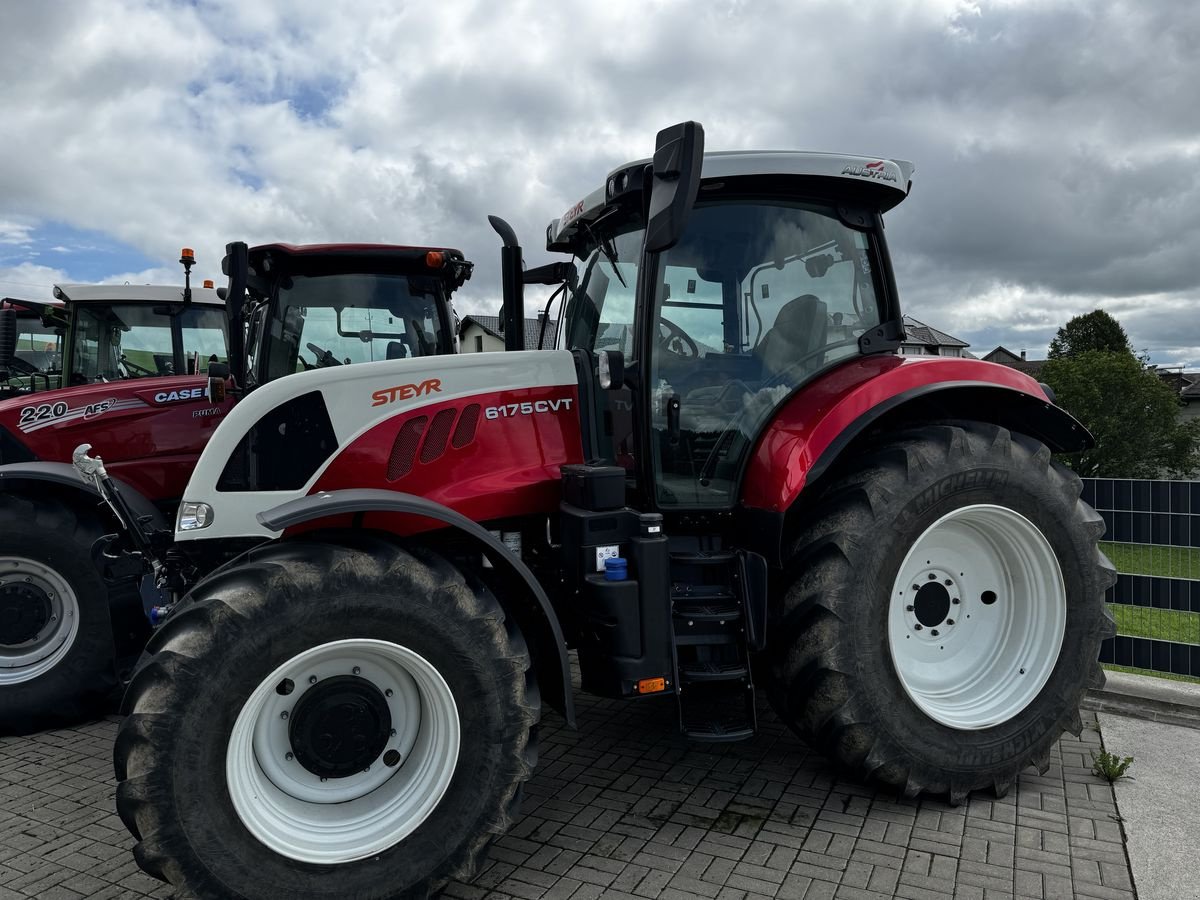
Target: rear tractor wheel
(945,612)
(56,634)
(322,721)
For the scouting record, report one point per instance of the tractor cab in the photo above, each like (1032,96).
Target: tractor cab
(95,333)
(778,274)
(324,305)
(37,344)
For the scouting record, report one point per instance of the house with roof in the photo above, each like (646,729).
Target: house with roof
(1006,357)
(925,340)
(482,334)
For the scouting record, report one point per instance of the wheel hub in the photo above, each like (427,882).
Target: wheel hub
(932,604)
(340,726)
(25,610)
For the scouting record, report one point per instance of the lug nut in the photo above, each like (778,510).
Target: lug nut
(323,780)
(949,582)
(312,679)
(949,621)
(388,692)
(284,714)
(932,576)
(955,601)
(916,587)
(934,632)
(289,756)
(356,670)
(918,627)
(909,608)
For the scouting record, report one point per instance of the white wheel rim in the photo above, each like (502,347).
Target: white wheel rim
(339,820)
(990,655)
(24,661)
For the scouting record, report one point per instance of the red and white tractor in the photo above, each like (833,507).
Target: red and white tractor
(141,371)
(724,462)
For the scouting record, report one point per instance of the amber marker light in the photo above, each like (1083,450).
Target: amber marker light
(435,259)
(651,685)
(208,282)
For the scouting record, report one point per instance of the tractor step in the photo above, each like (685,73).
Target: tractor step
(720,711)
(711,671)
(712,663)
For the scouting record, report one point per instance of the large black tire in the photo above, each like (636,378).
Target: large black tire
(64,635)
(242,623)
(834,676)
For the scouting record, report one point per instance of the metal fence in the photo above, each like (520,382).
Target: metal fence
(1153,538)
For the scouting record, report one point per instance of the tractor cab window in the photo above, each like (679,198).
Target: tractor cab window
(336,320)
(39,346)
(600,316)
(132,340)
(756,299)
(601,308)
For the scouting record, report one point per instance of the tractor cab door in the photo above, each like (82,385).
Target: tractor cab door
(756,298)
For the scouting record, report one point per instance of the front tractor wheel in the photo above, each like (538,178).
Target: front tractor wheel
(326,721)
(944,613)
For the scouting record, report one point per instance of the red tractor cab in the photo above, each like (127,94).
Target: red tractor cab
(146,374)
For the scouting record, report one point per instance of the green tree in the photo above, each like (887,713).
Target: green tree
(1096,330)
(1132,414)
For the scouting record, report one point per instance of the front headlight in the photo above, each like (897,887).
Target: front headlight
(194,515)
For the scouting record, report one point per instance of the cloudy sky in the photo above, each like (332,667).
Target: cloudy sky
(1057,143)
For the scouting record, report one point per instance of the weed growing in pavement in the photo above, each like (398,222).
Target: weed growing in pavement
(1109,766)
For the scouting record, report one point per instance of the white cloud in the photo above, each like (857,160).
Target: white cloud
(1055,142)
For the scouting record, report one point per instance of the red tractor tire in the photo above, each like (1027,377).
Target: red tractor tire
(56,636)
(944,611)
(327,720)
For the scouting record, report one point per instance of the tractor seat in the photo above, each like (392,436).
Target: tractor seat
(799,331)
(396,350)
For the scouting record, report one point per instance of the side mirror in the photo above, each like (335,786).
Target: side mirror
(675,180)
(8,338)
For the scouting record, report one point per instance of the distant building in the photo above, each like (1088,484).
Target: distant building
(1186,385)
(481,334)
(1006,357)
(925,340)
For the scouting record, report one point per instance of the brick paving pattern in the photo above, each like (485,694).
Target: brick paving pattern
(625,809)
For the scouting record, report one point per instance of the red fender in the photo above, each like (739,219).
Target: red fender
(820,419)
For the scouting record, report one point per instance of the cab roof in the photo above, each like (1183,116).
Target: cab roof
(134,293)
(885,181)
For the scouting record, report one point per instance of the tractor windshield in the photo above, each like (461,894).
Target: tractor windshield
(339,319)
(754,300)
(133,340)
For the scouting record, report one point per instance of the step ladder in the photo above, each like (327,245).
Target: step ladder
(711,646)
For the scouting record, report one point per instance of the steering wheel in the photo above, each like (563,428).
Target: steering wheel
(679,337)
(731,430)
(323,357)
(133,367)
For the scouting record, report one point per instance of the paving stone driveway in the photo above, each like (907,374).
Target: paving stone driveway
(624,808)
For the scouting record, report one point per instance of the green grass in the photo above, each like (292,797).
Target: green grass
(1110,667)
(1142,559)
(1160,624)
